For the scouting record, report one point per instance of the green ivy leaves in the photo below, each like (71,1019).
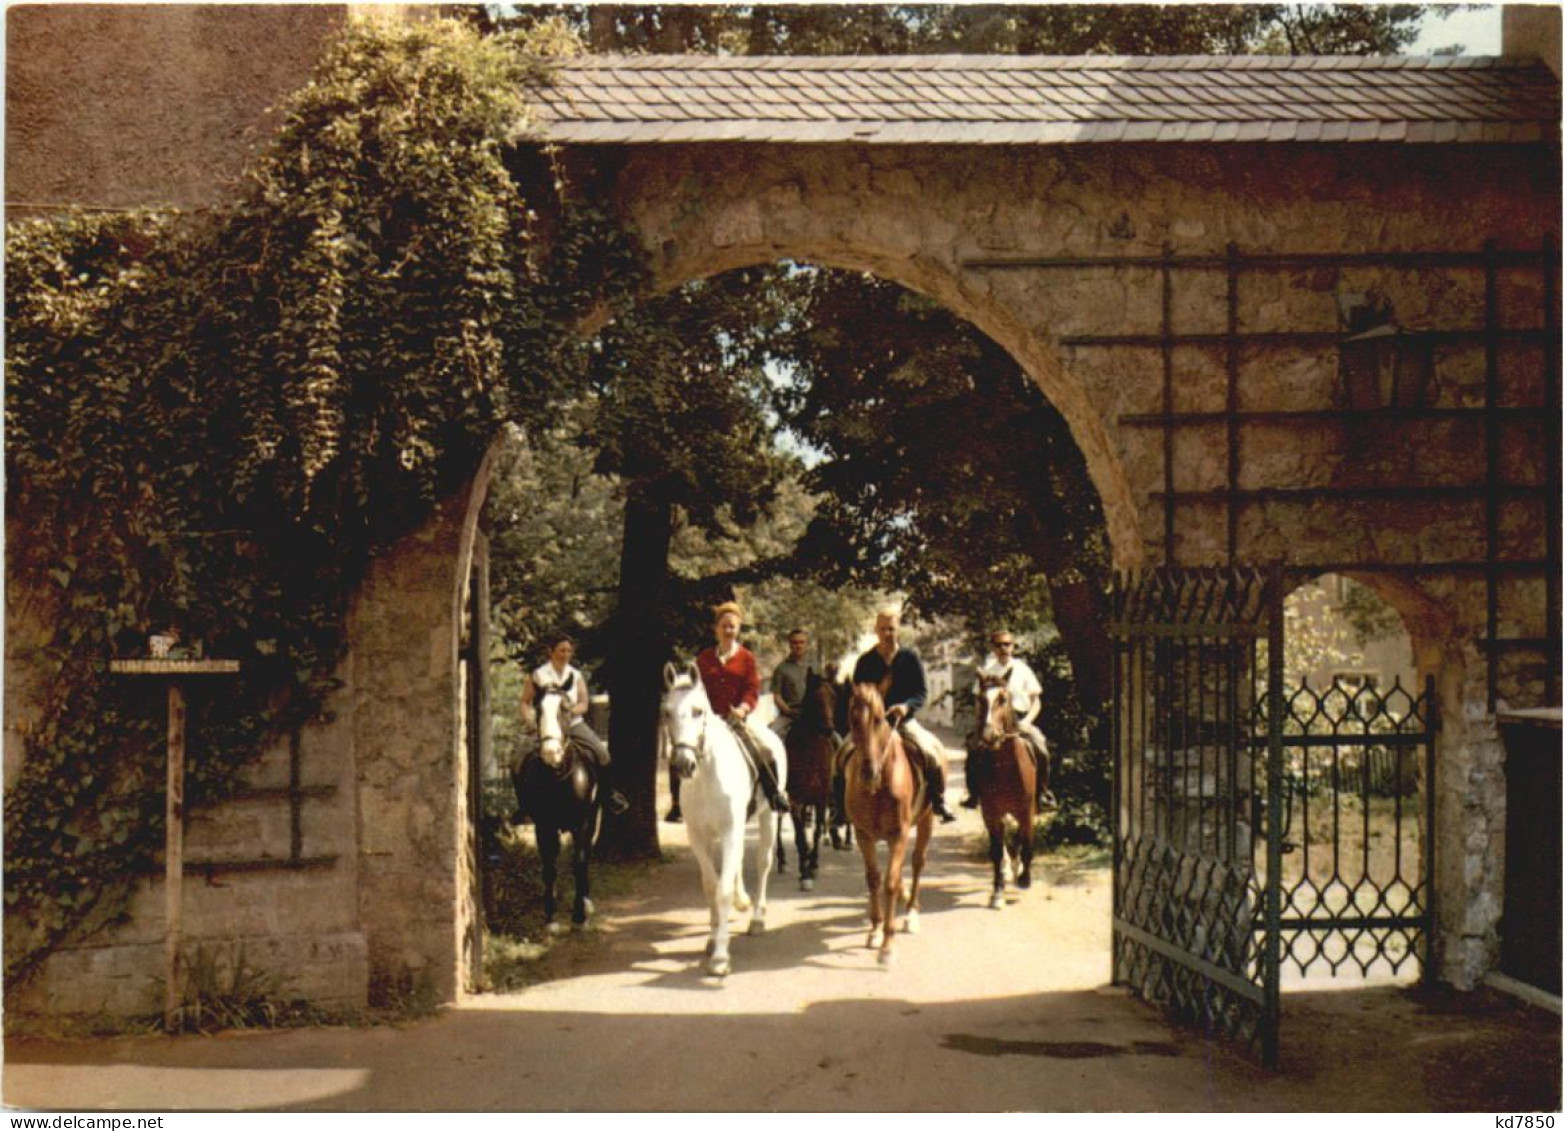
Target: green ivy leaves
(214,420)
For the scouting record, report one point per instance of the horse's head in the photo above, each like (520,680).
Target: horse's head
(686,711)
(554,704)
(819,706)
(994,709)
(866,723)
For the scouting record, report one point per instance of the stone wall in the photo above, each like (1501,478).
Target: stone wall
(921,216)
(347,864)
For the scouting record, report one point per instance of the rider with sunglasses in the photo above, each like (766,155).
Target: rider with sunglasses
(1026,699)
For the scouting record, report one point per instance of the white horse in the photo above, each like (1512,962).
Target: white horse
(718,795)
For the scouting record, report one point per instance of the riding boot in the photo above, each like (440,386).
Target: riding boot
(675,814)
(974,777)
(767,773)
(1045,796)
(936,780)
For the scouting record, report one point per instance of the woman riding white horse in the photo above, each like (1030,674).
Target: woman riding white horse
(718,794)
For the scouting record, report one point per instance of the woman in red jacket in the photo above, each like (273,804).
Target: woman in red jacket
(732,681)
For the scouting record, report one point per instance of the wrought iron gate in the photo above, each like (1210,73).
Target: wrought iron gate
(1256,828)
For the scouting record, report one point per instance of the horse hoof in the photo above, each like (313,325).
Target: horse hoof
(875,940)
(887,958)
(913,924)
(719,967)
(806,884)
(1024,880)
(997,901)
(757,926)
(555,927)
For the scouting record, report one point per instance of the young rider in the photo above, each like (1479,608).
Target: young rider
(888,662)
(732,681)
(558,672)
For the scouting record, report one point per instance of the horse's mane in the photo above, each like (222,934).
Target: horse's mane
(870,694)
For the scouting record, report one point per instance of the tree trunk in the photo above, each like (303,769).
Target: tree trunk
(1081,614)
(639,647)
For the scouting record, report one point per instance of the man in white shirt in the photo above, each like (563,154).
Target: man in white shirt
(1026,699)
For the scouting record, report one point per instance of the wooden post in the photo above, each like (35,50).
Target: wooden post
(174,860)
(174,670)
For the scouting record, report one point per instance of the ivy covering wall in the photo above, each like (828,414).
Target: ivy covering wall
(215,419)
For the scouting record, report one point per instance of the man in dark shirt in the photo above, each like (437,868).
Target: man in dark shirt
(888,662)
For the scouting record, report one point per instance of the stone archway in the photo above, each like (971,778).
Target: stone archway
(937,220)
(1051,246)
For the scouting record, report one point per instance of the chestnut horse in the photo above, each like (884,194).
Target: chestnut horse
(886,799)
(1008,785)
(810,751)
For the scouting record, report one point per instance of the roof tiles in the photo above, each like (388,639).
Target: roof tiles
(984,99)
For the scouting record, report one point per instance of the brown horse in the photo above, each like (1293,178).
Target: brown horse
(886,799)
(811,749)
(1007,786)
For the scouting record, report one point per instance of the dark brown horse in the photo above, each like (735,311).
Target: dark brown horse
(1007,786)
(811,748)
(887,799)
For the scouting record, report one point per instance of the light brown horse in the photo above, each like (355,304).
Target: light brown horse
(886,799)
(1007,786)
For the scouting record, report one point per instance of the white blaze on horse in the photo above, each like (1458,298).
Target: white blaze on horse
(719,794)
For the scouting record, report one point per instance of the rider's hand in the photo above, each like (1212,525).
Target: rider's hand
(895,714)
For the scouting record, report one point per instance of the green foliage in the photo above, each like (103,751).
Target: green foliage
(554,528)
(944,472)
(213,421)
(1370,617)
(1030,29)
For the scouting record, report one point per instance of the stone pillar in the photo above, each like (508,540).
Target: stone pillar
(405,632)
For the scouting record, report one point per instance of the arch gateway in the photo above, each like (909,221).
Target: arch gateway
(1292,308)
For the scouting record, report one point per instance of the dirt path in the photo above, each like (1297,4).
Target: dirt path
(984,1010)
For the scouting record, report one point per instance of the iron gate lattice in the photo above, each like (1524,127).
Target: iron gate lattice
(1195,927)
(1211,753)
(1356,869)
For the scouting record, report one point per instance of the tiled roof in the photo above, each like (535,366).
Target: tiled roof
(994,99)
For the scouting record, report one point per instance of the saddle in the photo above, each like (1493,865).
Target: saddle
(915,761)
(747,746)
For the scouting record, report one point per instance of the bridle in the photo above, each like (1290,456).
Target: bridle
(558,709)
(875,731)
(697,750)
(990,706)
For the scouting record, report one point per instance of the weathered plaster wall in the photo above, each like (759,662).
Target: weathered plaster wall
(126,105)
(916,216)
